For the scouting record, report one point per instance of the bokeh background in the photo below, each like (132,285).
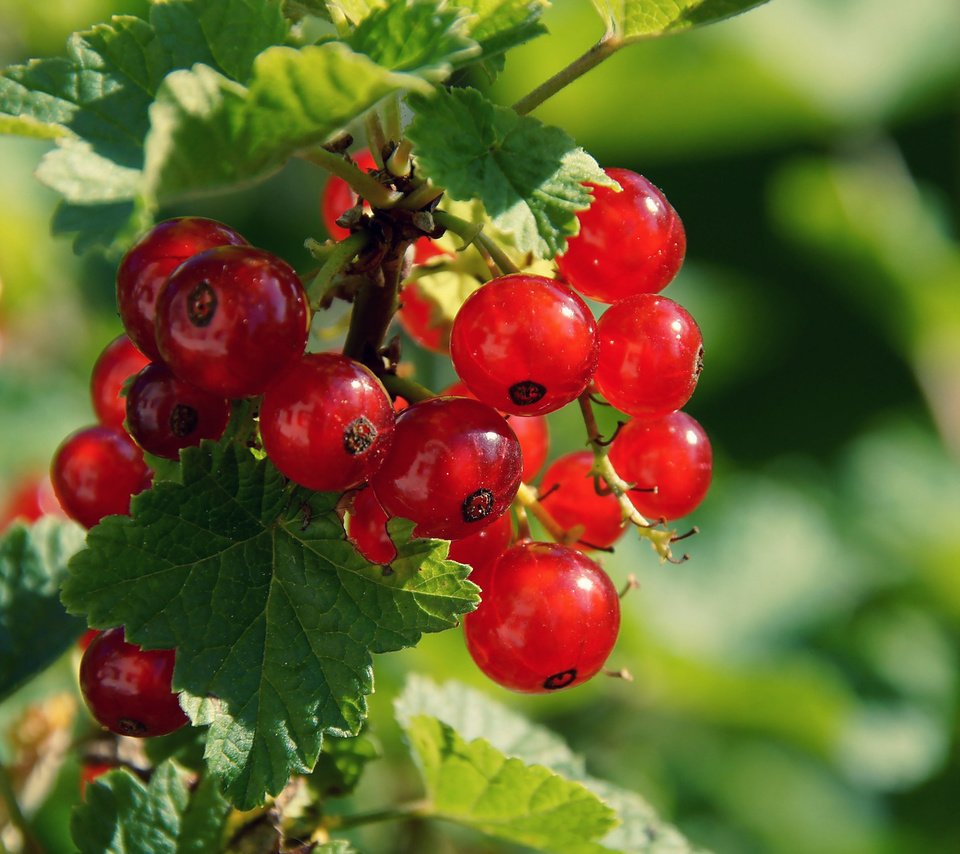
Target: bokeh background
(795,683)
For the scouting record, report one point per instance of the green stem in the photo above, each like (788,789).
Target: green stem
(470,232)
(15,814)
(341,255)
(606,47)
(408,389)
(376,138)
(391,118)
(421,196)
(401,812)
(399,162)
(365,186)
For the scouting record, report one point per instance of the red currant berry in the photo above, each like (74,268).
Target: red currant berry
(651,354)
(524,344)
(119,361)
(127,689)
(417,316)
(631,242)
(569,492)
(231,319)
(481,550)
(87,638)
(453,469)
(95,472)
(670,455)
(327,423)
(548,618)
(424,249)
(339,197)
(90,771)
(165,414)
(144,270)
(30,498)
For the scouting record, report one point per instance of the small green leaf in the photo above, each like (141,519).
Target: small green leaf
(272,611)
(631,20)
(341,764)
(499,25)
(353,10)
(529,177)
(34,627)
(121,814)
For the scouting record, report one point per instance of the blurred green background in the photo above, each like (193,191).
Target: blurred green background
(796,681)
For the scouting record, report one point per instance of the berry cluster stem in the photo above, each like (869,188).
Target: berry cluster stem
(364,185)
(527,499)
(400,812)
(337,259)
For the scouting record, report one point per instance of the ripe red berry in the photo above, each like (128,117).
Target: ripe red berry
(417,316)
(119,361)
(165,414)
(569,493)
(128,689)
(95,471)
(231,319)
(548,618)
(339,197)
(327,422)
(90,771)
(145,268)
(670,454)
(651,354)
(631,242)
(29,499)
(524,344)
(87,638)
(453,469)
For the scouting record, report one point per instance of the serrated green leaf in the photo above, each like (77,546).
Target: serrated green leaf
(353,10)
(341,764)
(499,25)
(631,20)
(272,611)
(529,177)
(121,814)
(34,627)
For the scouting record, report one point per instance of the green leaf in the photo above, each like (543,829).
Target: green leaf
(631,20)
(341,764)
(353,10)
(499,25)
(34,628)
(121,814)
(529,177)
(272,611)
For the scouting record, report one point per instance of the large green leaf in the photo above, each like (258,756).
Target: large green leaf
(272,611)
(630,20)
(498,25)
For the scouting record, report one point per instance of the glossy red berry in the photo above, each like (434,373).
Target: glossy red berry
(671,455)
(87,638)
(631,242)
(119,361)
(90,771)
(651,354)
(95,471)
(548,618)
(145,268)
(231,319)
(419,319)
(28,500)
(165,414)
(524,344)
(569,493)
(339,197)
(128,689)
(453,469)
(327,422)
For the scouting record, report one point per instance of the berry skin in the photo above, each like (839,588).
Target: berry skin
(651,354)
(339,197)
(145,268)
(30,498)
(569,493)
(631,242)
(673,455)
(231,319)
(165,414)
(119,361)
(524,344)
(453,469)
(90,771)
(327,423)
(416,316)
(548,618)
(128,689)
(95,471)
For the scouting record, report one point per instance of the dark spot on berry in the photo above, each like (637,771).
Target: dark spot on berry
(526,392)
(128,726)
(359,436)
(201,304)
(183,420)
(560,680)
(477,505)
(698,367)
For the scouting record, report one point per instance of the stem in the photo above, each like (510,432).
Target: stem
(606,47)
(391,116)
(340,256)
(15,814)
(376,138)
(398,163)
(420,197)
(527,499)
(401,812)
(470,232)
(408,389)
(364,185)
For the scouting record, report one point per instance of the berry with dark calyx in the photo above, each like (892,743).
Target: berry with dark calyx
(95,472)
(548,618)
(165,414)
(231,319)
(145,268)
(670,462)
(338,197)
(524,344)
(631,242)
(453,469)
(569,493)
(651,354)
(128,689)
(119,361)
(327,422)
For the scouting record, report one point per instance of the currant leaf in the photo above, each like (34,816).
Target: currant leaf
(631,20)
(33,562)
(529,176)
(473,718)
(499,25)
(120,813)
(273,613)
